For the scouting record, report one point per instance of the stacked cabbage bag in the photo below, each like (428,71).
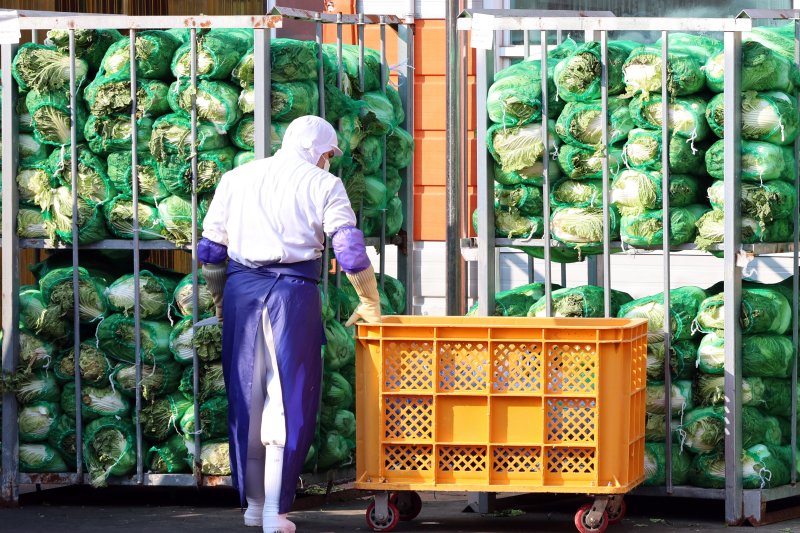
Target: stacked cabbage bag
(363,115)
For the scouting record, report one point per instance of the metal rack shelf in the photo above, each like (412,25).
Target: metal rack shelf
(761,248)
(156,244)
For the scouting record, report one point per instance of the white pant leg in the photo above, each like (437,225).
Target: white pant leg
(254,476)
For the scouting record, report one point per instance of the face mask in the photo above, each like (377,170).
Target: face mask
(327,166)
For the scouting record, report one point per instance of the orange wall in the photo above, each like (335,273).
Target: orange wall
(429,118)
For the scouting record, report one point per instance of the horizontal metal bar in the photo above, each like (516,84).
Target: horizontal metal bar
(681,492)
(502,23)
(522,13)
(769,14)
(121,244)
(778,493)
(331,18)
(124,22)
(763,248)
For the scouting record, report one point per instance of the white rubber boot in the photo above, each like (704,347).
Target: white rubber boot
(278,524)
(253,515)
(273,474)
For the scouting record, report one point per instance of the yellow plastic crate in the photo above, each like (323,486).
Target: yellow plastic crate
(501,404)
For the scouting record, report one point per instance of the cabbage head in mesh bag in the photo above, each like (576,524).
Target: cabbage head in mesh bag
(175,171)
(38,67)
(151,187)
(705,429)
(515,302)
(40,319)
(761,161)
(290,59)
(35,352)
(31,224)
(642,151)
(176,216)
(96,402)
(762,69)
(217,102)
(155,294)
(582,227)
(35,184)
(340,349)
(35,420)
(114,133)
(399,148)
(373,222)
(291,100)
(515,97)
(586,301)
(161,417)
(377,115)
(636,191)
(213,418)
(687,115)
(765,309)
(681,399)
(51,117)
(684,303)
(154,50)
(655,465)
(156,380)
(119,214)
(169,457)
(94,184)
(40,458)
(62,438)
(108,95)
(767,116)
(115,336)
(577,76)
(682,359)
(369,154)
(763,202)
(94,365)
(183,296)
(109,449)
(35,386)
(172,135)
(521,149)
(32,151)
(711,390)
(582,164)
(647,228)
(90,45)
(577,193)
(711,230)
(581,123)
(763,355)
(57,291)
(642,72)
(526,199)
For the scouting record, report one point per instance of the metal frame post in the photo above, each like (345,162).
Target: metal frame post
(606,175)
(453,280)
(405,86)
(484,65)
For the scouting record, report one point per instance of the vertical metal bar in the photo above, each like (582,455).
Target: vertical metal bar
(484,65)
(733,280)
(453,280)
(606,208)
(665,177)
(326,252)
(795,276)
(339,76)
(384,81)
(526,54)
(361,83)
(34,36)
(548,265)
(195,358)
(405,53)
(9,490)
(262,88)
(76,315)
(137,317)
(563,274)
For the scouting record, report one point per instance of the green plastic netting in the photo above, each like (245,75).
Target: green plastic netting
(581,123)
(521,149)
(30,223)
(94,366)
(56,287)
(526,199)
(170,457)
(183,296)
(151,188)
(213,418)
(172,135)
(291,60)
(109,449)
(217,102)
(35,420)
(642,71)
(154,51)
(515,302)
(161,417)
(711,390)
(38,67)
(212,382)
(681,398)
(704,429)
(119,214)
(58,218)
(115,336)
(585,301)
(94,185)
(90,45)
(291,100)
(96,402)
(156,380)
(769,116)
(394,219)
(711,230)
(176,216)
(684,303)
(62,438)
(655,465)
(40,319)
(763,202)
(369,154)
(643,152)
(581,164)
(155,294)
(51,117)
(399,148)
(176,172)
(244,157)
(687,115)
(32,151)
(777,397)
(682,359)
(351,68)
(763,355)
(573,193)
(218,53)
(394,180)
(577,77)
(108,95)
(760,161)
(377,114)
(647,228)
(762,69)
(515,97)
(636,191)
(34,352)
(40,458)
(114,133)
(582,227)
(764,309)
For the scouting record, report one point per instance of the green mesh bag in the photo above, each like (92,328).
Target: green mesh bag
(213,418)
(769,116)
(294,99)
(338,104)
(115,337)
(397,104)
(38,67)
(395,291)
(377,115)
(763,202)
(35,386)
(183,296)
(681,398)
(779,39)
(682,358)
(109,449)
(764,310)
(582,227)
(349,135)
(511,224)
(23,115)
(40,458)
(581,123)
(643,152)
(207,340)
(355,185)
(176,216)
(62,438)
(687,115)
(351,67)
(684,303)
(636,191)
(215,457)
(527,73)
(244,157)
(155,295)
(577,193)
(176,171)
(375,197)
(212,382)
(399,148)
(109,95)
(34,352)
(369,154)
(217,102)
(711,390)
(762,69)
(527,199)
(776,398)
(655,464)
(151,188)
(521,149)
(247,100)
(114,133)
(35,183)
(763,355)
(170,457)
(646,228)
(119,213)
(585,301)
(172,135)
(394,219)
(181,341)
(32,151)
(51,117)
(161,417)
(642,72)
(515,302)
(580,164)
(244,134)
(56,287)
(90,45)
(94,185)
(58,219)
(711,230)
(218,53)
(577,77)
(154,49)
(394,181)
(760,162)
(30,223)
(157,380)
(39,318)
(94,366)
(35,420)
(291,60)
(96,402)
(704,429)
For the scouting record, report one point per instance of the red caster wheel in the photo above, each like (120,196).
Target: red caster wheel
(408,503)
(585,527)
(388,523)
(615,517)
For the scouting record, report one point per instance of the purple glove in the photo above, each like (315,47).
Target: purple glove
(211,252)
(350,251)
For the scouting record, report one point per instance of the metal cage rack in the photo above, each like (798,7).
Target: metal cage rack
(262,25)
(740,504)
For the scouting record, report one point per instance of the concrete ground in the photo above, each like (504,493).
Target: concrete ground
(161,510)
